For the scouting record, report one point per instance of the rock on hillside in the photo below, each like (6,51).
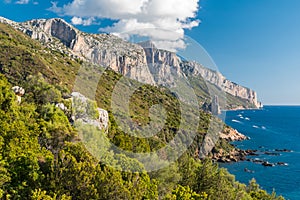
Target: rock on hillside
(84,109)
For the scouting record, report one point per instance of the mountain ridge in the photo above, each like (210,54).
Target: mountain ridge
(142,62)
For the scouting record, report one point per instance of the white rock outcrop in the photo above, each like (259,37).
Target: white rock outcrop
(103,118)
(61,106)
(83,111)
(19,91)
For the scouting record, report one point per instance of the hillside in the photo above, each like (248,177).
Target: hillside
(142,62)
(44,155)
(22,57)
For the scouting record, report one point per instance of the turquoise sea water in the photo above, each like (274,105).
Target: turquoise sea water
(273,127)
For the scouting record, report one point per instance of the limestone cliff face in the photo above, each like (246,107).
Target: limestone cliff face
(167,66)
(103,49)
(226,85)
(142,62)
(111,51)
(163,65)
(44,30)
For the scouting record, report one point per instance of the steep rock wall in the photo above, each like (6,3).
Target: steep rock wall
(142,62)
(226,85)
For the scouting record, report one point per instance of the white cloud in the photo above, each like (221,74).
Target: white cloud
(163,21)
(84,22)
(22,2)
(54,8)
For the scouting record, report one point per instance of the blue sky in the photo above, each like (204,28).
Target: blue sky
(255,43)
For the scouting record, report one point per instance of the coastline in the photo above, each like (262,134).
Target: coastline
(241,109)
(232,135)
(233,155)
(274,145)
(237,155)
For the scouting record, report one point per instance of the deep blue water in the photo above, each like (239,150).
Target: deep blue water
(273,127)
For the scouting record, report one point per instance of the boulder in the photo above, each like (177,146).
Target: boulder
(103,118)
(61,106)
(19,91)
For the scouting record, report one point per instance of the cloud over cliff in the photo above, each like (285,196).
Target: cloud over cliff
(80,21)
(163,22)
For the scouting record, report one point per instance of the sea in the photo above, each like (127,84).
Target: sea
(274,132)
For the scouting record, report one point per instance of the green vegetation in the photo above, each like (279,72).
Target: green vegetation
(44,156)
(21,56)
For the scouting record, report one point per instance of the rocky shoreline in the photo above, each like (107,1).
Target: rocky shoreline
(234,155)
(250,155)
(232,135)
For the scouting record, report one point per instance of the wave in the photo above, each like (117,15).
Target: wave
(247,118)
(237,121)
(254,126)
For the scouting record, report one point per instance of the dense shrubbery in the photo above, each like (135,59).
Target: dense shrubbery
(40,159)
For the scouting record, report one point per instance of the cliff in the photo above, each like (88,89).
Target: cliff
(142,62)
(224,84)
(163,65)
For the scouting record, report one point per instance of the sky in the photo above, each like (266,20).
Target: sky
(255,43)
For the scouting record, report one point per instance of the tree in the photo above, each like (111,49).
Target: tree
(186,193)
(257,193)
(20,150)
(41,92)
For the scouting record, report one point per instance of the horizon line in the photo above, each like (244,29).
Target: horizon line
(281,105)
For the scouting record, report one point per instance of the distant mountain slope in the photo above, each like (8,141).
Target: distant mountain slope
(142,62)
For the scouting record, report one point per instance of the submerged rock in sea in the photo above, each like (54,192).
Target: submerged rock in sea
(272,153)
(282,164)
(251,152)
(267,164)
(248,170)
(256,160)
(283,150)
